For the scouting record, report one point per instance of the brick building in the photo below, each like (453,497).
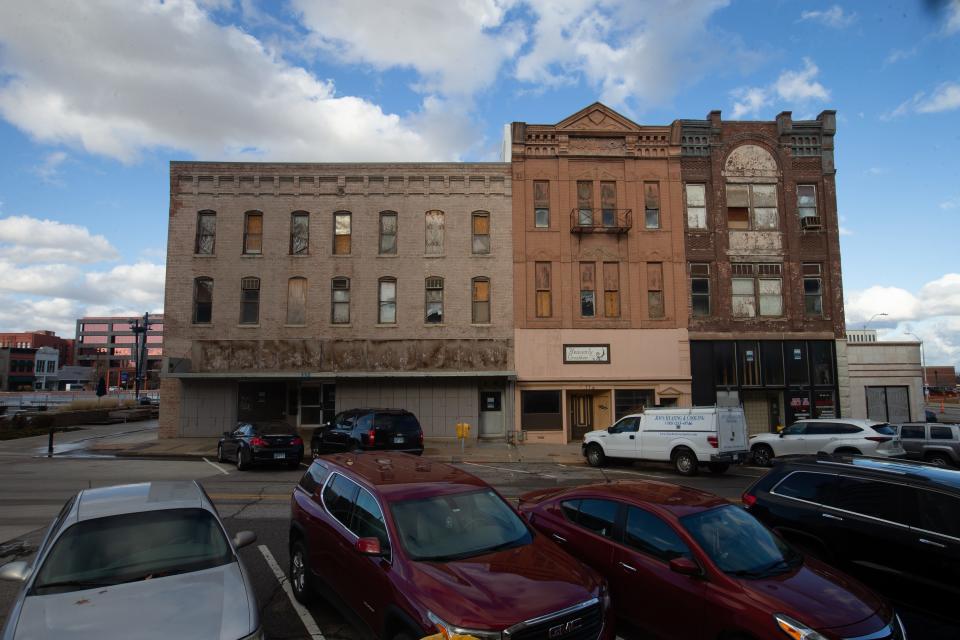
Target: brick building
(599,276)
(763,263)
(17,368)
(108,346)
(297,290)
(37,339)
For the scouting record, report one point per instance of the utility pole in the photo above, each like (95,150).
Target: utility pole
(140,351)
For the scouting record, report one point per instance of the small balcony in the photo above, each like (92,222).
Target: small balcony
(601,220)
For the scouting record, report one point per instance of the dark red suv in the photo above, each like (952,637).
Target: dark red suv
(684,563)
(408,548)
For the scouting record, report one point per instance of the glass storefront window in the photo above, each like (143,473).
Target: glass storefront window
(627,401)
(749,356)
(799,406)
(821,355)
(824,404)
(724,365)
(772,363)
(796,354)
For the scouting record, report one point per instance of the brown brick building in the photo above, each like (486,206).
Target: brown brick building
(297,290)
(763,266)
(37,339)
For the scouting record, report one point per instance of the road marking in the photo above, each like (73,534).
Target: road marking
(217,467)
(534,473)
(308,622)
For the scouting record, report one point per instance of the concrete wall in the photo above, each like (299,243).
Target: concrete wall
(884,364)
(206,407)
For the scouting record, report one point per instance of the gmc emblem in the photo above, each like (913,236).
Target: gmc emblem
(565,628)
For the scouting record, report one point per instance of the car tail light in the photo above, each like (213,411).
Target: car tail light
(748,499)
(257,441)
(713,441)
(296,442)
(879,438)
(371,435)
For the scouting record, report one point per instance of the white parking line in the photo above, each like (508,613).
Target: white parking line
(217,467)
(533,473)
(308,622)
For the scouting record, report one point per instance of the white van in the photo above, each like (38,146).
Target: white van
(714,436)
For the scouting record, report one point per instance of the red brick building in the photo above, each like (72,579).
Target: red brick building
(37,339)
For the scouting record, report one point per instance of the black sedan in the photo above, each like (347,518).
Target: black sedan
(260,443)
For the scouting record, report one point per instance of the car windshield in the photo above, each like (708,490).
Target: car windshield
(738,544)
(396,422)
(884,429)
(131,547)
(274,429)
(456,526)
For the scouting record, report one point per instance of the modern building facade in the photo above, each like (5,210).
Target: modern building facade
(885,378)
(37,339)
(763,265)
(294,291)
(599,275)
(45,369)
(108,346)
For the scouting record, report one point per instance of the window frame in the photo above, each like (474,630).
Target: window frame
(381,234)
(247,235)
(474,301)
(245,304)
(201,215)
(703,276)
(751,206)
(611,290)
(306,285)
(433,280)
(801,208)
(306,246)
(474,236)
(541,291)
(348,215)
(541,205)
(588,294)
(334,303)
(688,207)
(196,281)
(434,215)
(384,304)
(654,292)
(655,210)
(809,275)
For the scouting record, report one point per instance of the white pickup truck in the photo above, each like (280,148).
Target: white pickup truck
(688,438)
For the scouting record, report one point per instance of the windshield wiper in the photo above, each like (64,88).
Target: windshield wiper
(774,568)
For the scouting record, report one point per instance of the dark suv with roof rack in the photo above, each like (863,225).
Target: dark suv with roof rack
(367,430)
(407,547)
(895,517)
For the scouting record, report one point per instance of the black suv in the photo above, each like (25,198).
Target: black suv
(369,430)
(892,518)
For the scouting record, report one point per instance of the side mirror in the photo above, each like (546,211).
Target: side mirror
(15,571)
(369,547)
(684,566)
(243,539)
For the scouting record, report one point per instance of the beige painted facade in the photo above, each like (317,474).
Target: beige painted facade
(885,381)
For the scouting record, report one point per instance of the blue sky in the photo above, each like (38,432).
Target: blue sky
(97,97)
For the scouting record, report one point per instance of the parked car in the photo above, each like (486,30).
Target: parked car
(937,444)
(269,442)
(834,435)
(688,438)
(153,557)
(408,548)
(897,517)
(367,430)
(684,563)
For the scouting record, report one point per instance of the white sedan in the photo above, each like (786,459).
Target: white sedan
(841,436)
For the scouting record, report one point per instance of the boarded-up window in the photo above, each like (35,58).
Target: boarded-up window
(481,300)
(888,404)
(544,277)
(700,290)
(812,289)
(585,203)
(342,233)
(340,301)
(587,293)
(696,206)
(206,233)
(651,205)
(202,300)
(434,300)
(434,222)
(253,232)
(611,289)
(297,301)
(387,297)
(481,232)
(388,233)
(608,203)
(655,304)
(299,233)
(738,206)
(541,204)
(752,206)
(249,300)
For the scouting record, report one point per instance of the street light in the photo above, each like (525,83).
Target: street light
(923,366)
(876,315)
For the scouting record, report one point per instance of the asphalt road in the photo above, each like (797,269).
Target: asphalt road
(34,489)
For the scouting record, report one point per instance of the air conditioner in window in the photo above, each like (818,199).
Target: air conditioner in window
(811,222)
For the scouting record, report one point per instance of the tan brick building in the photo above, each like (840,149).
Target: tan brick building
(297,290)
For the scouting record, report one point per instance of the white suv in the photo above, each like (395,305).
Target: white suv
(858,437)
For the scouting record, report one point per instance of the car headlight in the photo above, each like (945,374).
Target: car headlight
(450,632)
(796,630)
(256,635)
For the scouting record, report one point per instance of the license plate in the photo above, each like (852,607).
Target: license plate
(279,456)
(399,440)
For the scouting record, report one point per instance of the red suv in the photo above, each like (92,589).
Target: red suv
(684,563)
(410,547)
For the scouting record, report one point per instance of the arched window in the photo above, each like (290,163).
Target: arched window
(297,301)
(342,233)
(299,233)
(202,300)
(434,224)
(387,299)
(249,300)
(480,294)
(433,288)
(340,301)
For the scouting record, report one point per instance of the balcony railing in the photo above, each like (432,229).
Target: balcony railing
(601,220)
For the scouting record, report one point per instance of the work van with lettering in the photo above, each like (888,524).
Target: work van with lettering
(715,437)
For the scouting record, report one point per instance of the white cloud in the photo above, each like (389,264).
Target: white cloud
(952,24)
(25,239)
(749,100)
(794,88)
(946,97)
(877,171)
(901,54)
(833,17)
(952,203)
(49,169)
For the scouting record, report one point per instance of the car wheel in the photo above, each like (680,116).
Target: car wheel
(298,572)
(685,462)
(762,455)
(595,455)
(220,457)
(718,467)
(243,460)
(939,459)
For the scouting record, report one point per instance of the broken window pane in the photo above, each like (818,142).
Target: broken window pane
(813,297)
(388,233)
(434,239)
(299,233)
(586,304)
(206,233)
(434,300)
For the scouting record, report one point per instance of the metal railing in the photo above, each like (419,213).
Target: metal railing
(601,220)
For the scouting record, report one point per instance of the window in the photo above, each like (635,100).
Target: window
(744,300)
(655,304)
(387,298)
(696,206)
(937,512)
(627,401)
(297,301)
(936,433)
(752,206)
(649,534)
(912,432)
(342,233)
(253,232)
(770,288)
(812,290)
(299,233)
(543,281)
(587,301)
(339,496)
(368,521)
(772,366)
(481,232)
(700,290)
(608,203)
(888,404)
(821,356)
(812,487)
(871,498)
(434,233)
(570,509)
(202,300)
(340,301)
(585,203)
(541,204)
(540,410)
(807,206)
(388,233)
(598,516)
(626,425)
(249,300)
(206,233)
(651,205)
(611,289)
(481,300)
(434,300)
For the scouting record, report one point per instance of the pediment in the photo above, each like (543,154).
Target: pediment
(597,117)
(670,391)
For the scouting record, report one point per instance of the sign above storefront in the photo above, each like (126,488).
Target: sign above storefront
(586,354)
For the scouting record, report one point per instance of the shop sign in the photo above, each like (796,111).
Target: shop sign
(586,354)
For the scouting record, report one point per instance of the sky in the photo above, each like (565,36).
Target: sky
(96,97)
